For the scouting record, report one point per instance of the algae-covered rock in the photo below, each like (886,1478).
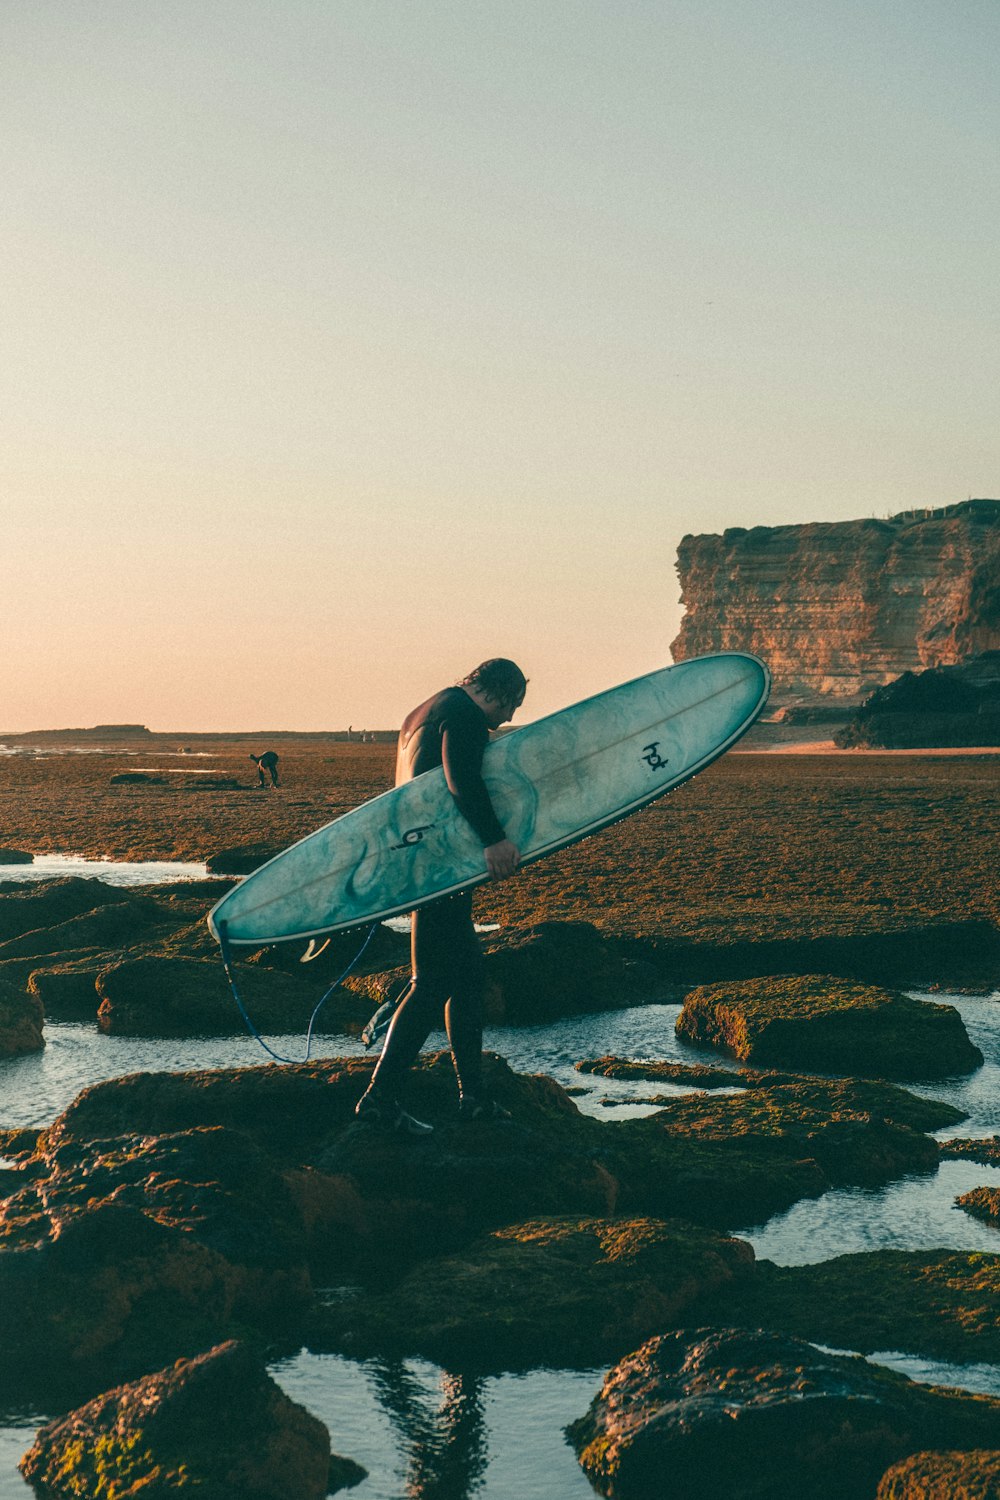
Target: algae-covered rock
(982,1203)
(556,1291)
(216,1425)
(243,859)
(53,901)
(111,925)
(942,1304)
(10,856)
(758,1416)
(822,1023)
(984,1149)
(943,1476)
(699,1076)
(157,995)
(733,1160)
(21,1021)
(121,1252)
(556,969)
(68,991)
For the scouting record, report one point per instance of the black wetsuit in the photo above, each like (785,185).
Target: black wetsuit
(449,730)
(267,762)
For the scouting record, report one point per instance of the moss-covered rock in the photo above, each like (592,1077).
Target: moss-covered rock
(550,1291)
(21,1022)
(216,1425)
(734,1160)
(698,1076)
(982,1203)
(758,1416)
(943,1476)
(110,926)
(941,1304)
(68,991)
(156,995)
(119,1253)
(984,1149)
(243,859)
(823,1023)
(51,902)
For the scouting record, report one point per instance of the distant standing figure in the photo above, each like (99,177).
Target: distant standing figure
(266,762)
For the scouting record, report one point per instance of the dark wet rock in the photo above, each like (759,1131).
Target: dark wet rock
(943,1476)
(698,1076)
(15,856)
(109,926)
(985,1149)
(159,995)
(941,1304)
(126,777)
(883,949)
(558,969)
(21,1020)
(18,1142)
(241,860)
(68,991)
(948,705)
(558,1292)
(758,1416)
(816,1020)
(542,973)
(51,902)
(216,1424)
(982,1203)
(733,1160)
(136,1248)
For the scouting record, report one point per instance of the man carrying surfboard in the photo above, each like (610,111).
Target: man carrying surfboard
(451,730)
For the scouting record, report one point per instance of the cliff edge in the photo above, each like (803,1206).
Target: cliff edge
(837,609)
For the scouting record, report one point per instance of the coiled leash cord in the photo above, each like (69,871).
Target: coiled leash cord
(227,965)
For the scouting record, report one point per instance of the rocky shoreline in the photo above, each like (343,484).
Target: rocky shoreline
(163,1216)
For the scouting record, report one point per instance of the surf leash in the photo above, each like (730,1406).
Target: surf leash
(227,964)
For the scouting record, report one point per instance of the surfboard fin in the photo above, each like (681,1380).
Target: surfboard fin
(312,951)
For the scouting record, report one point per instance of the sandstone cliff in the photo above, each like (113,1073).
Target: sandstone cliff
(837,609)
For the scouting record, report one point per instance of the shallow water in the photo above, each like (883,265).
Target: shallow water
(428,1435)
(108,871)
(917,1212)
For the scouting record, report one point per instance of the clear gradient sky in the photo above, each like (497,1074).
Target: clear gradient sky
(347,342)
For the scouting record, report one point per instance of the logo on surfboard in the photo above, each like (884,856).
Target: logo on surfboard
(651,755)
(413,836)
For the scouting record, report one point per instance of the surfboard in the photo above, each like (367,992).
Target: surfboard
(553,782)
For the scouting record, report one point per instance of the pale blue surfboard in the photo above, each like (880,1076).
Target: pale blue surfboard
(552,783)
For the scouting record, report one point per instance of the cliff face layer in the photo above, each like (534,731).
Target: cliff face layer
(837,609)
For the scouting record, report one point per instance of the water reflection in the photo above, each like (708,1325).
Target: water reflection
(432,1434)
(446,1442)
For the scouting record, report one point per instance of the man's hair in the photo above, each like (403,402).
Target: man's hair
(499,679)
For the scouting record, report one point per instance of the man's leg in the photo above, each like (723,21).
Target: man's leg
(417,1014)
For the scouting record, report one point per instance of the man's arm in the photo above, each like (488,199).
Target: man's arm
(461,758)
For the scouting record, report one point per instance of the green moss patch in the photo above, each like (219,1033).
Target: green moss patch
(986,1149)
(942,1304)
(832,1025)
(973,1475)
(982,1203)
